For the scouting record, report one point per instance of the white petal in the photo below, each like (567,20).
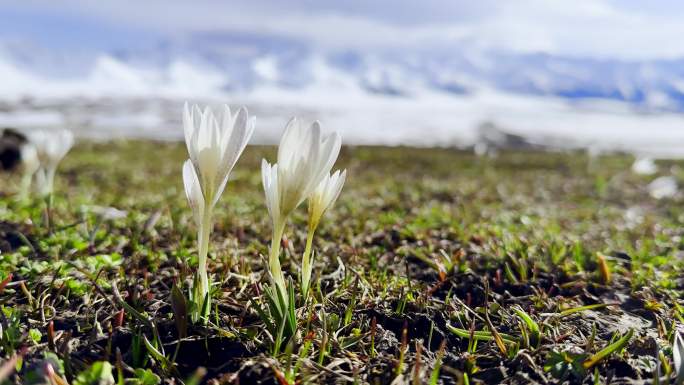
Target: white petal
(304,159)
(203,133)
(237,138)
(336,187)
(289,143)
(327,155)
(269,178)
(326,194)
(51,146)
(227,122)
(330,150)
(678,356)
(66,142)
(189,128)
(193,190)
(29,159)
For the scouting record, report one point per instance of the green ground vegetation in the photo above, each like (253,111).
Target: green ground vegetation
(435,266)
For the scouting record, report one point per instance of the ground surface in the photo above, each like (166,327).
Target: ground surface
(425,252)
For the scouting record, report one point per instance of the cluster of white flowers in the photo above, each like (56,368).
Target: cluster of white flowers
(305,159)
(302,172)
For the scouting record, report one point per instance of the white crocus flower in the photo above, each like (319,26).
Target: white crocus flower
(678,357)
(106,213)
(193,191)
(29,166)
(323,197)
(269,178)
(51,147)
(304,159)
(214,149)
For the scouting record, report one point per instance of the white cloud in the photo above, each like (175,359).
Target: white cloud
(596,28)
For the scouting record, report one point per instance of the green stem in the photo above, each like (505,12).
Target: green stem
(274,258)
(48,213)
(306,262)
(203,234)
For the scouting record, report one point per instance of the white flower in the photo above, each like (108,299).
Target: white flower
(325,195)
(29,159)
(678,357)
(304,159)
(322,198)
(215,148)
(51,147)
(107,213)
(29,166)
(269,178)
(663,187)
(193,191)
(644,166)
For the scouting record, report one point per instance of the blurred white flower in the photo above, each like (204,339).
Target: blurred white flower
(678,357)
(51,146)
(29,159)
(633,216)
(663,187)
(107,213)
(214,149)
(29,166)
(644,166)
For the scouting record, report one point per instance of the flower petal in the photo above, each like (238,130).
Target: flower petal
(193,190)
(678,357)
(269,178)
(235,140)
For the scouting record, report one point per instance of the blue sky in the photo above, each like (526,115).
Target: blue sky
(627,29)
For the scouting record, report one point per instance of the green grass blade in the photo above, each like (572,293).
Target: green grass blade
(532,325)
(608,350)
(579,309)
(481,335)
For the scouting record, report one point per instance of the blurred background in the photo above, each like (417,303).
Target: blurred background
(602,74)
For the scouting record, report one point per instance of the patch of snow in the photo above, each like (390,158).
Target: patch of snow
(663,187)
(644,166)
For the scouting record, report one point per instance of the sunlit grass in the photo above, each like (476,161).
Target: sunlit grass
(577,259)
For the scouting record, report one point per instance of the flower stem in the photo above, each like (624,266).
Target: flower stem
(48,213)
(50,179)
(306,262)
(274,258)
(203,235)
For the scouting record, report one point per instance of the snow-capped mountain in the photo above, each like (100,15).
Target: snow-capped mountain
(240,63)
(380,96)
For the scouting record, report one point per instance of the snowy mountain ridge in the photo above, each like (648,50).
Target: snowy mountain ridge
(215,64)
